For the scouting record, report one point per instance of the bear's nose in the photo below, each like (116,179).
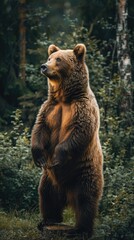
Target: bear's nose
(43,67)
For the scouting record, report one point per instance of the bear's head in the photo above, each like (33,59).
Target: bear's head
(66,68)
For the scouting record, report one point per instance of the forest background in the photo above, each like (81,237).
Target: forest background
(27,28)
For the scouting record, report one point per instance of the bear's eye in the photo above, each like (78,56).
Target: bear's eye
(58,60)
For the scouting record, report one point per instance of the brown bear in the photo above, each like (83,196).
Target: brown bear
(65,141)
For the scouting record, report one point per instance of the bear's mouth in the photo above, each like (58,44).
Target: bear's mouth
(50,74)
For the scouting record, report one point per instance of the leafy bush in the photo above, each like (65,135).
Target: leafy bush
(19,178)
(116,206)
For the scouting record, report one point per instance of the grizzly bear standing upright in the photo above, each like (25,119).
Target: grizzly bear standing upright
(65,141)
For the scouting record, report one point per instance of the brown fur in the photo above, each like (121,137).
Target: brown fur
(65,141)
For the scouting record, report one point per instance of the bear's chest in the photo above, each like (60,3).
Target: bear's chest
(59,120)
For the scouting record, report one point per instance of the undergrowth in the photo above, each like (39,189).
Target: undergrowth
(18,227)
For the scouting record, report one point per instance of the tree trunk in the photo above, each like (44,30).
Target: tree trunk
(22,15)
(124,63)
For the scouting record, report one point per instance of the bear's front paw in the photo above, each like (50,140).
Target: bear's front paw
(53,164)
(60,154)
(40,162)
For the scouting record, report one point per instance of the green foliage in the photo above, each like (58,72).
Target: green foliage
(19,178)
(35,95)
(117,136)
(116,207)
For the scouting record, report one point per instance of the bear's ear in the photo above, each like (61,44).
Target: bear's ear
(80,51)
(52,48)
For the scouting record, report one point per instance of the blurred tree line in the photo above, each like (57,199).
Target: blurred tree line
(28,27)
(106,27)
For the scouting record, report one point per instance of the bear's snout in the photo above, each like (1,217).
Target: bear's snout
(43,68)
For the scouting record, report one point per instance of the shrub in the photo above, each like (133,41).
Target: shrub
(19,178)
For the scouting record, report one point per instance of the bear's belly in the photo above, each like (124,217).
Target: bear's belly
(59,120)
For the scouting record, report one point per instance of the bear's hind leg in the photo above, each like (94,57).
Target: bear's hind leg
(85,211)
(85,208)
(52,202)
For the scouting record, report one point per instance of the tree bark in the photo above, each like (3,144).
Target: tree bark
(22,16)
(123,57)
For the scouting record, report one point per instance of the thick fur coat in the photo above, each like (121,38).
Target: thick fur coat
(65,141)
